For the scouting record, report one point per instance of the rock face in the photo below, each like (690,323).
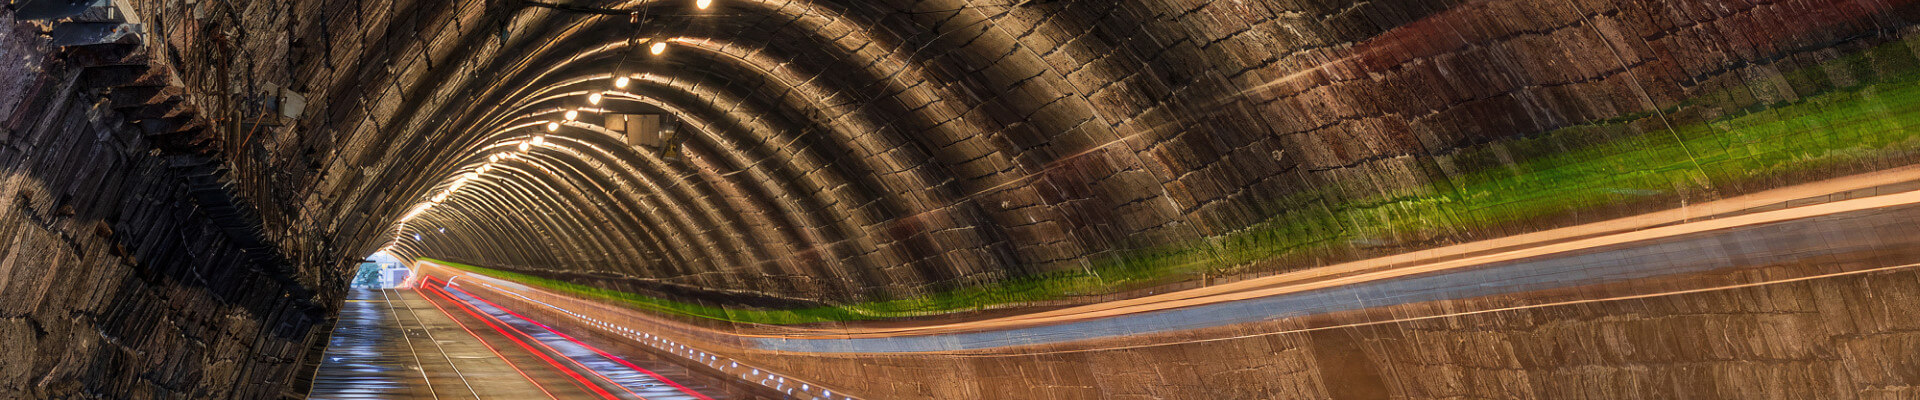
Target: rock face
(204,187)
(119,274)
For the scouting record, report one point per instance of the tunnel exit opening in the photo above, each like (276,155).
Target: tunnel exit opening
(381,271)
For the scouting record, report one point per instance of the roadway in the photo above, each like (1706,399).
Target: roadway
(432,343)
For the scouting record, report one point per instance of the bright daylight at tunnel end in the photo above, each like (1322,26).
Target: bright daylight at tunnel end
(959,199)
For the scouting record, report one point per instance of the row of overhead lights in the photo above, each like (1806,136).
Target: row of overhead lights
(657,47)
(538,139)
(493,162)
(594,98)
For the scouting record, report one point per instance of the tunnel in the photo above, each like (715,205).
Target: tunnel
(959,199)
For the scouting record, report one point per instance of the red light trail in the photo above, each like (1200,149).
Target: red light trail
(588,347)
(563,355)
(447,291)
(578,379)
(725,366)
(483,342)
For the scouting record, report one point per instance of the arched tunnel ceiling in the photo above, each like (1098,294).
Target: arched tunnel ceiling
(905,198)
(833,151)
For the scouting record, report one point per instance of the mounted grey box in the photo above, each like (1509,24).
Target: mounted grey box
(648,130)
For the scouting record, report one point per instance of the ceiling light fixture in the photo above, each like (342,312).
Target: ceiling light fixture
(554,126)
(594,98)
(622,82)
(658,47)
(702,4)
(571,115)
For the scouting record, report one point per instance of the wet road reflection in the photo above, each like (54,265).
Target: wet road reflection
(363,359)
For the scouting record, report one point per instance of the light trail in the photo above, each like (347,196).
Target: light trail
(470,309)
(725,365)
(1635,229)
(596,350)
(1451,315)
(625,384)
(577,378)
(483,342)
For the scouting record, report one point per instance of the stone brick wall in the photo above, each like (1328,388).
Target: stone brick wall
(841,151)
(115,282)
